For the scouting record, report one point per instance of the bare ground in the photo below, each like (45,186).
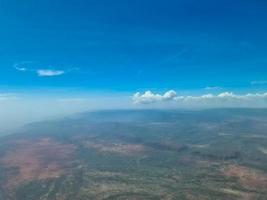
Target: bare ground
(36,160)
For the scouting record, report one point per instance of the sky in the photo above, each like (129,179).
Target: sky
(98,54)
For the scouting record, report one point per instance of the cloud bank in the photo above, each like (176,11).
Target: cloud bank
(149,97)
(225,99)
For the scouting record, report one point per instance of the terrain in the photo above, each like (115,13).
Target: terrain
(139,154)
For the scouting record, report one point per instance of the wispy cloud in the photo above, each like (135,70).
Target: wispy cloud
(262,82)
(208,100)
(174,57)
(22,66)
(49,72)
(41,71)
(213,88)
(23,69)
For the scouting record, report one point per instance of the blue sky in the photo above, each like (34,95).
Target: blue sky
(157,50)
(128,46)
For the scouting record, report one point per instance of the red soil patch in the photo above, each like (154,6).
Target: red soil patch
(36,160)
(249,178)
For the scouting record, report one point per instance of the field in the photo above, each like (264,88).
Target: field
(187,155)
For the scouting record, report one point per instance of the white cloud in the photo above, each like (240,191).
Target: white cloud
(149,97)
(225,99)
(49,72)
